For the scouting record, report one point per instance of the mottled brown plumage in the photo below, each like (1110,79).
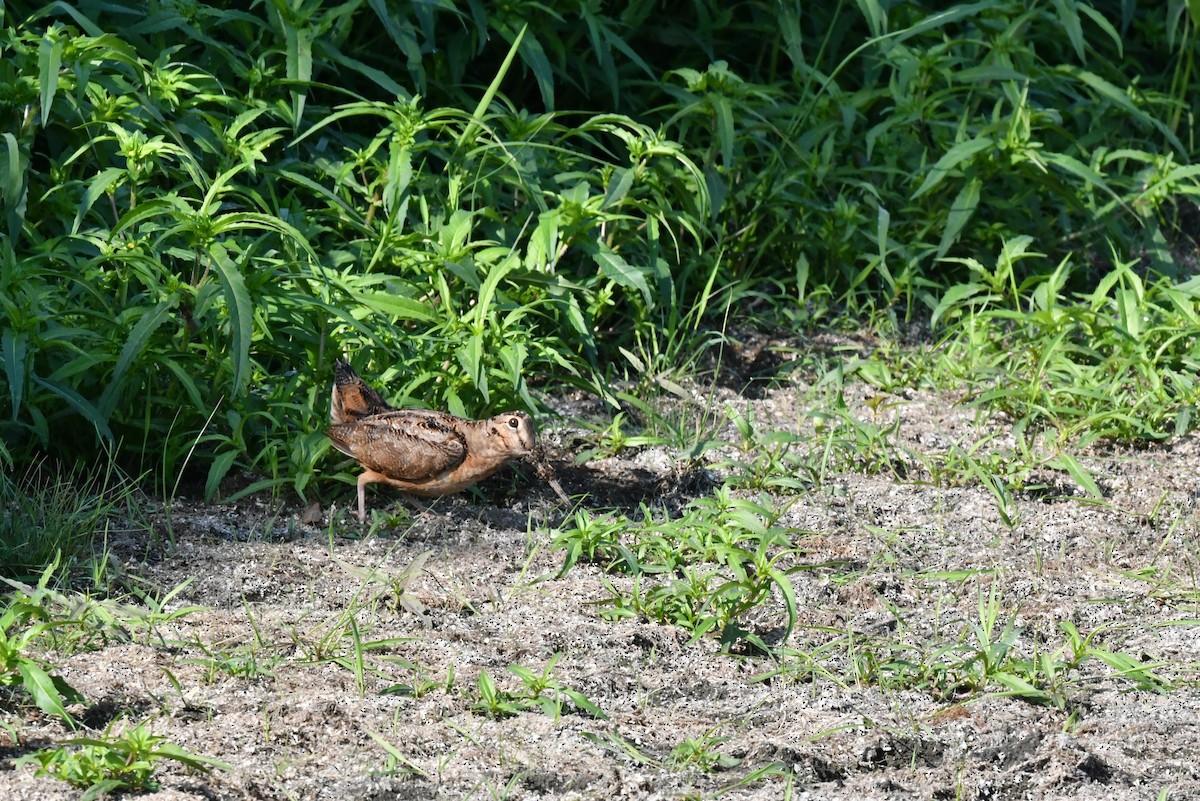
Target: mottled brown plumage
(353,398)
(424,452)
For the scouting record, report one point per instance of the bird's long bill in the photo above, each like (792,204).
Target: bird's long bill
(546,473)
(558,490)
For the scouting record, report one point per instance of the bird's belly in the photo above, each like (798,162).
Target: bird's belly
(447,483)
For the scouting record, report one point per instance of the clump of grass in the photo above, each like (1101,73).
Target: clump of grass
(988,654)
(57,515)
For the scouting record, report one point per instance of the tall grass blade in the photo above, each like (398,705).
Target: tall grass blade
(468,134)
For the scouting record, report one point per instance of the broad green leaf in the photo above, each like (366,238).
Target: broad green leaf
(470,357)
(1019,686)
(1129,309)
(195,761)
(632,358)
(803,268)
(399,174)
(961,209)
(1014,249)
(789,600)
(963,152)
(45,694)
(536,61)
(79,404)
(241,313)
(396,306)
(256,221)
(487,291)
(718,190)
(1077,168)
(542,251)
(14,172)
(399,30)
(1131,669)
(217,472)
(1122,100)
(1103,24)
(943,18)
(1068,17)
(584,703)
(1078,472)
(299,66)
(1183,420)
(792,31)
(875,16)
(349,213)
(622,272)
(384,111)
(953,298)
(133,348)
(13,345)
(614,40)
(725,128)
(587,343)
(513,358)
(96,187)
(1099,295)
(989,73)
(883,223)
(49,63)
(186,380)
(619,184)
(381,78)
(145,211)
(81,19)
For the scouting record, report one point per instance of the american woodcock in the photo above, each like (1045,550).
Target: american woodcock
(423,452)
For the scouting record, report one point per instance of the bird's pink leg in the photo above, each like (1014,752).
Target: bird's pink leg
(366,478)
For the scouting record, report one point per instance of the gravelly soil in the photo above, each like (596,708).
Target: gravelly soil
(897,562)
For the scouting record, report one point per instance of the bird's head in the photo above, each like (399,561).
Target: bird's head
(516,431)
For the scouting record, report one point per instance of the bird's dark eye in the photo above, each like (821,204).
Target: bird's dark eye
(513,423)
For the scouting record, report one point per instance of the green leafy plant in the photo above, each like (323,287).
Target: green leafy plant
(1115,364)
(726,556)
(539,691)
(698,753)
(102,765)
(701,753)
(21,631)
(197,221)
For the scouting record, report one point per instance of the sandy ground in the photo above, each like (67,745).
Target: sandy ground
(892,567)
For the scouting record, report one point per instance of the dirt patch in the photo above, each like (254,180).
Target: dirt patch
(266,677)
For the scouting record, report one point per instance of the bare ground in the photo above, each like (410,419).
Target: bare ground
(901,563)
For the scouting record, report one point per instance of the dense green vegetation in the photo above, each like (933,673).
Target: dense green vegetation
(481,203)
(204,206)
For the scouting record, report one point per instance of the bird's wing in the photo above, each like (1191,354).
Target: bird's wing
(402,445)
